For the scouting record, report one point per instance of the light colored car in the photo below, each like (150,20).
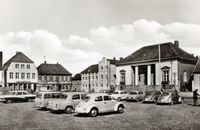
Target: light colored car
(151,96)
(135,96)
(17,96)
(169,97)
(42,98)
(96,103)
(119,95)
(67,102)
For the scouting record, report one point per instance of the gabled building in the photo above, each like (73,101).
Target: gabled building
(101,76)
(76,83)
(158,65)
(196,76)
(53,77)
(20,73)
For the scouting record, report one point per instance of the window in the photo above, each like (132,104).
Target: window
(28,66)
(17,66)
(22,75)
(56,95)
(33,75)
(83,95)
(107,98)
(22,66)
(165,75)
(76,97)
(122,76)
(96,77)
(17,75)
(184,76)
(92,77)
(28,75)
(48,78)
(101,68)
(83,78)
(106,67)
(98,99)
(101,76)
(96,85)
(101,85)
(11,75)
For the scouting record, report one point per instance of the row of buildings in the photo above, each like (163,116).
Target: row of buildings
(156,66)
(20,73)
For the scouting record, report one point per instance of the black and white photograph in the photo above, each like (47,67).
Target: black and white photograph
(99,65)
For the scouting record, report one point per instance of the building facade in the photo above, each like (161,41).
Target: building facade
(76,83)
(20,73)
(53,77)
(156,66)
(196,76)
(101,76)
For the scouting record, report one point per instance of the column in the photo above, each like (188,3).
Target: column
(149,75)
(136,75)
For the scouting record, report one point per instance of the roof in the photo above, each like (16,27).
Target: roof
(91,69)
(77,77)
(168,51)
(113,61)
(197,67)
(18,57)
(52,69)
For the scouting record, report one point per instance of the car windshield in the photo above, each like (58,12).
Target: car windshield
(39,95)
(116,92)
(86,98)
(64,96)
(133,93)
(165,94)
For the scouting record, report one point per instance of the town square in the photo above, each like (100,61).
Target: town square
(99,64)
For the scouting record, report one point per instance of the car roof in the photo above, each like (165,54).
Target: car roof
(49,92)
(74,93)
(98,94)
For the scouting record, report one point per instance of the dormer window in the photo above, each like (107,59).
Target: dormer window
(16,66)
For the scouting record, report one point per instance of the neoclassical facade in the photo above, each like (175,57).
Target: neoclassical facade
(156,66)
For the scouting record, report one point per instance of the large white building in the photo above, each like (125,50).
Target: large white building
(101,76)
(156,65)
(20,73)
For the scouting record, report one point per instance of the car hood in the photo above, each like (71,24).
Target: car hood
(164,97)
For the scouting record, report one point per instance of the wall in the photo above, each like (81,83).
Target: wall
(196,82)
(129,75)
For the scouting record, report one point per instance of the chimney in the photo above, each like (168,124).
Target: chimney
(176,44)
(121,58)
(17,52)
(45,61)
(1,59)
(114,58)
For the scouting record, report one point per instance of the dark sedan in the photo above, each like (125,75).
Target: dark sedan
(151,96)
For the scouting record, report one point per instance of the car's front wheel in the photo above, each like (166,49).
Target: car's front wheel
(93,112)
(120,109)
(68,110)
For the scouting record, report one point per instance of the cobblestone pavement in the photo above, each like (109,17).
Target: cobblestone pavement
(23,116)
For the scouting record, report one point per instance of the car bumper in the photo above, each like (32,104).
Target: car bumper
(163,102)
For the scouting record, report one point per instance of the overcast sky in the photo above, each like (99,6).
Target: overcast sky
(78,33)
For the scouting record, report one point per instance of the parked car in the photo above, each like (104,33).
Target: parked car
(119,95)
(96,103)
(67,102)
(135,96)
(169,97)
(151,96)
(42,98)
(106,91)
(17,96)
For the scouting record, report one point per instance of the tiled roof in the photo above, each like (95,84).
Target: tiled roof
(77,77)
(19,57)
(91,69)
(52,69)
(168,51)
(197,67)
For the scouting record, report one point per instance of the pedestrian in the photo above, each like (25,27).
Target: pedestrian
(195,96)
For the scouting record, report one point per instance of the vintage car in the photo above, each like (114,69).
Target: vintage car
(67,103)
(96,103)
(17,96)
(169,97)
(42,98)
(135,96)
(151,96)
(119,95)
